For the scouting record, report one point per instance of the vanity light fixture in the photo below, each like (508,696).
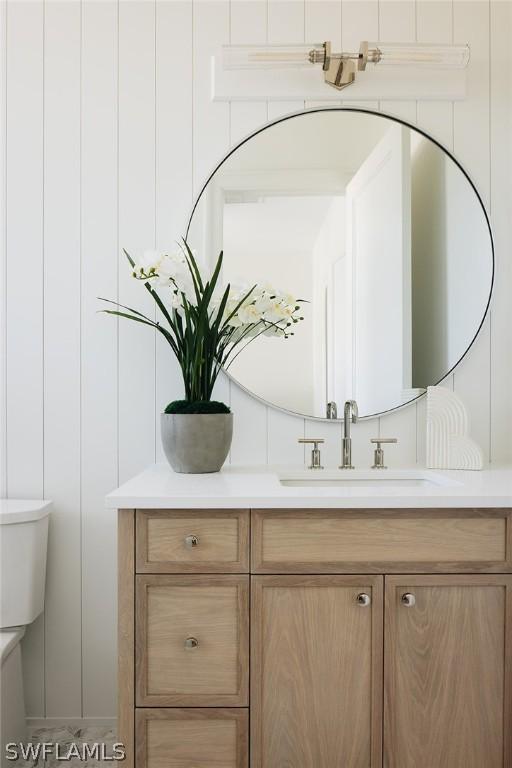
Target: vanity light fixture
(340,68)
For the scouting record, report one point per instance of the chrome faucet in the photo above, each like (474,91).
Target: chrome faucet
(350,414)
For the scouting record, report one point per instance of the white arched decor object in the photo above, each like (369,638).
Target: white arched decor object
(448,443)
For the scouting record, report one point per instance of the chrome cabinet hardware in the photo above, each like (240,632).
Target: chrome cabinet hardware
(350,414)
(191,643)
(363,599)
(191,541)
(408,600)
(316,462)
(378,454)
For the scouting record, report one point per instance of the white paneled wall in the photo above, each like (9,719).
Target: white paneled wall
(110,133)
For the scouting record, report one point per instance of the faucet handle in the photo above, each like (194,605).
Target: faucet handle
(315,451)
(378,454)
(331,410)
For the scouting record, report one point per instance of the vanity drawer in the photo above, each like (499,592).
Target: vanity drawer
(192,644)
(182,738)
(192,541)
(387,541)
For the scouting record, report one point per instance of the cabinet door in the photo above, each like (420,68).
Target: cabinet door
(447,672)
(316,687)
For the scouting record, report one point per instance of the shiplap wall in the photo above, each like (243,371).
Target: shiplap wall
(110,132)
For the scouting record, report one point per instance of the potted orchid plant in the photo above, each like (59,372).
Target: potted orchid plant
(206,326)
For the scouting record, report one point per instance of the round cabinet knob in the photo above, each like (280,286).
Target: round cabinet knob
(191,643)
(191,541)
(363,599)
(408,600)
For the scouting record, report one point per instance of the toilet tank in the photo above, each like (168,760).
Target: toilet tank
(23,542)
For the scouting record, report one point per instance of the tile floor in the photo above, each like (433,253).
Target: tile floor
(64,736)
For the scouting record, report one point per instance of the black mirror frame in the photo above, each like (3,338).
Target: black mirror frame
(398,120)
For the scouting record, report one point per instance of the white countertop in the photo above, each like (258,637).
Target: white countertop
(158,487)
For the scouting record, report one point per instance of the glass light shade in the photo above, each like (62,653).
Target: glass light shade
(268,56)
(419,55)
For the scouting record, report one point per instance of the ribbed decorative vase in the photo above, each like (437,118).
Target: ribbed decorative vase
(196,443)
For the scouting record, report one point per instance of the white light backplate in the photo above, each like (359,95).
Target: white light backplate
(394,83)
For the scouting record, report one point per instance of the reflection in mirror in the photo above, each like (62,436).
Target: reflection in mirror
(378,230)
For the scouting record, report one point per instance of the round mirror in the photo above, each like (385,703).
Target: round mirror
(377,229)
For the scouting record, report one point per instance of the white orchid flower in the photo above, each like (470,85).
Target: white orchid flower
(254,304)
(147,264)
(176,302)
(289,299)
(263,303)
(234,322)
(249,314)
(276,312)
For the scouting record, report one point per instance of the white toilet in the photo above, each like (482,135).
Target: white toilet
(23,540)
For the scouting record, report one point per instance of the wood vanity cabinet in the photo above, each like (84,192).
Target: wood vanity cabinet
(378,638)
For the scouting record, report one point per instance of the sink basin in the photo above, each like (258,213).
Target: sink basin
(355,482)
(376,478)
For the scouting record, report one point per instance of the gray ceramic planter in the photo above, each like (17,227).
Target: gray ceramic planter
(195,443)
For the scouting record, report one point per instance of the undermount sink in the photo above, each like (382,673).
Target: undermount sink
(376,478)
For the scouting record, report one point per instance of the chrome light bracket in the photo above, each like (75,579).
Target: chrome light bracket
(340,68)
